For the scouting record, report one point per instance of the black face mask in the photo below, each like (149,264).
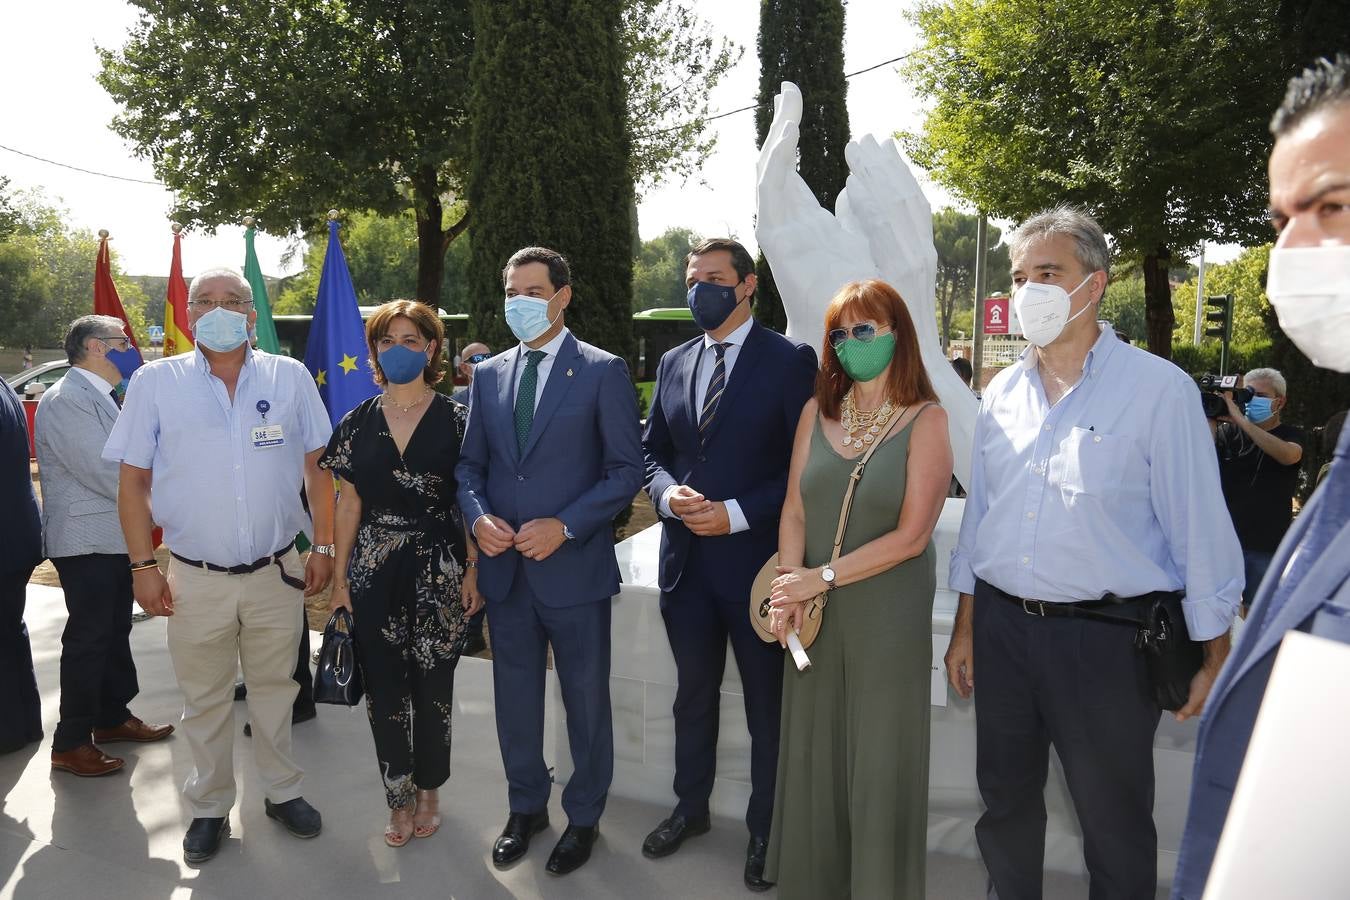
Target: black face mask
(711,304)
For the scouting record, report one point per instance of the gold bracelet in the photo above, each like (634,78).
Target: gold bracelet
(152,565)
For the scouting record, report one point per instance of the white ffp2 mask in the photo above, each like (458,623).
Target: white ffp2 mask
(1043,310)
(1310,290)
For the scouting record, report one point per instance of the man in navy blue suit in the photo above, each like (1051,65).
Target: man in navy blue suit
(21,538)
(1307,586)
(551,454)
(717,447)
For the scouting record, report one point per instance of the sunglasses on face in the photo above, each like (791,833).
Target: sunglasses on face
(866,332)
(477,358)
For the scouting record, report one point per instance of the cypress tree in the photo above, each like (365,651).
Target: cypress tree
(550,159)
(802,41)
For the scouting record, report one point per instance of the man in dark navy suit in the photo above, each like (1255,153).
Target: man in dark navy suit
(551,454)
(717,447)
(21,538)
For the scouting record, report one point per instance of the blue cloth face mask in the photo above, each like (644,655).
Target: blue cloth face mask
(127,361)
(221,330)
(527,317)
(1259,409)
(711,304)
(402,365)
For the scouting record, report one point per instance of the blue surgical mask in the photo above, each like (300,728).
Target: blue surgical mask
(221,330)
(527,317)
(402,365)
(1259,409)
(127,361)
(711,304)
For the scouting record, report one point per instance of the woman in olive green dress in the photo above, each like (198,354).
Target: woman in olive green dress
(851,807)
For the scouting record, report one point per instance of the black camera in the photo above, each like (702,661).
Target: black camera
(1211,386)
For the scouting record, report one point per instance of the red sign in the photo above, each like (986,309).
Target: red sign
(996,315)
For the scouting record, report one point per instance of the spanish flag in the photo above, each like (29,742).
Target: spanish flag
(177,332)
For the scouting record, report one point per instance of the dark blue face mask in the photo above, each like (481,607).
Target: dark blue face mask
(402,365)
(711,304)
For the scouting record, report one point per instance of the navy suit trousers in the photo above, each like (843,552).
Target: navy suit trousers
(20,708)
(522,630)
(704,610)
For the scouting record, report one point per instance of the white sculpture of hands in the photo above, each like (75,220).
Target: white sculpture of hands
(883,228)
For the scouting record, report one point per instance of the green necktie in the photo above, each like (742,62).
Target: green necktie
(529,384)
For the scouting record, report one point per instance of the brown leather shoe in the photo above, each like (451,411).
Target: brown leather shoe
(132,729)
(87,761)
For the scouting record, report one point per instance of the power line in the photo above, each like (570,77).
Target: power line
(52,162)
(733,112)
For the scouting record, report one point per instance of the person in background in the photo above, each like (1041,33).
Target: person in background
(964,369)
(1259,456)
(82,537)
(406,570)
(21,538)
(1307,586)
(472,354)
(851,809)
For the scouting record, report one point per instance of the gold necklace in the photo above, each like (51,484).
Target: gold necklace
(386,399)
(861,428)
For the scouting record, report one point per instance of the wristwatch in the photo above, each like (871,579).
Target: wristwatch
(567,533)
(827,576)
(323,549)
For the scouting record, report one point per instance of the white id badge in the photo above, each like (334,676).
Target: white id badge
(265,436)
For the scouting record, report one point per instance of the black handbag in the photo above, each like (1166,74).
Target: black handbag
(1169,653)
(338,678)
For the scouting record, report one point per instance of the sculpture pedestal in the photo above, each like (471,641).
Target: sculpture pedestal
(642,690)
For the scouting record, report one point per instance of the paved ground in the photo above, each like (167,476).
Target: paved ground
(120,836)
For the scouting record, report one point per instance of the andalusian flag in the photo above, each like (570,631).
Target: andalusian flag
(335,352)
(177,332)
(265,329)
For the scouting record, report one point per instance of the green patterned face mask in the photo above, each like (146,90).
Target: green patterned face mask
(865,360)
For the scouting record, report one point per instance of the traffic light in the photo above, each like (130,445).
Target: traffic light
(1219,324)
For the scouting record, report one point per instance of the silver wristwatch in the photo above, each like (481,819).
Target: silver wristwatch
(324,549)
(567,533)
(827,576)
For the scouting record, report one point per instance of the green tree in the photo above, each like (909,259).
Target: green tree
(552,160)
(1151,115)
(1123,305)
(658,270)
(802,41)
(285,108)
(381,253)
(954,239)
(1245,279)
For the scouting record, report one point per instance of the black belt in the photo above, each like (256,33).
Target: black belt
(1085,609)
(244,569)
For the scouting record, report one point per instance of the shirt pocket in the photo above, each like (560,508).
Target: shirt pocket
(1104,466)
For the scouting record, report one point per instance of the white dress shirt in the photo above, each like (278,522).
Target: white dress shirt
(703,375)
(103,387)
(543,369)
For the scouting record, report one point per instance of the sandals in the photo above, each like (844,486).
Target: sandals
(395,834)
(428,801)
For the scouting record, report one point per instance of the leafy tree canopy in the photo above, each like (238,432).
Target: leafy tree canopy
(1245,279)
(658,270)
(954,239)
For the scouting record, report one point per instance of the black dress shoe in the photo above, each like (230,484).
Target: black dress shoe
(670,834)
(298,714)
(572,849)
(296,816)
(514,841)
(754,864)
(203,838)
(240,691)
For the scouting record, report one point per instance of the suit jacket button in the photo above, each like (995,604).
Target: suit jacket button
(520,478)
(702,458)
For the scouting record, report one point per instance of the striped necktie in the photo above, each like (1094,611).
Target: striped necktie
(715,389)
(115,398)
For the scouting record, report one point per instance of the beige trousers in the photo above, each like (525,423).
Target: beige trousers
(220,622)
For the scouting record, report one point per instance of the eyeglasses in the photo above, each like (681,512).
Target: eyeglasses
(234,305)
(865,332)
(121,340)
(477,358)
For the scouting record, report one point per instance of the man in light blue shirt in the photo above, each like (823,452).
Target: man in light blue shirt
(214,445)
(1093,473)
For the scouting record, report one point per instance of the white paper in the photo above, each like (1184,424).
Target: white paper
(937,689)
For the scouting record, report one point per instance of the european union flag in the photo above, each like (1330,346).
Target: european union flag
(336,351)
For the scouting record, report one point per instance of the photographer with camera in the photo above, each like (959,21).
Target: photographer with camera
(1259,457)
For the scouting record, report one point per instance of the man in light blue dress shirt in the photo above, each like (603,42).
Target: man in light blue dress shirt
(218,441)
(1093,473)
